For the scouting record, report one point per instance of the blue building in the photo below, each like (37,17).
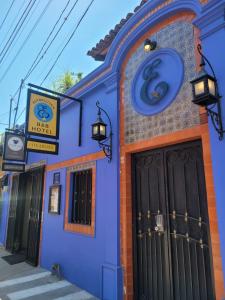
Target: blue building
(149,224)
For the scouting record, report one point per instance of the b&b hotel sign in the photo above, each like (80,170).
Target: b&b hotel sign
(42,115)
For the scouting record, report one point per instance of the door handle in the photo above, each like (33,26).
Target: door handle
(159,223)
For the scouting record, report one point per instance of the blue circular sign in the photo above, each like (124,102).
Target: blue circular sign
(43,112)
(157,82)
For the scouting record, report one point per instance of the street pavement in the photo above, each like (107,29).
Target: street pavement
(22,281)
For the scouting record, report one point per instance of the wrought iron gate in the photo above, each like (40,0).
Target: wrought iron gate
(171,240)
(35,216)
(24,235)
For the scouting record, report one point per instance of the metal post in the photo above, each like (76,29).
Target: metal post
(10,112)
(80,124)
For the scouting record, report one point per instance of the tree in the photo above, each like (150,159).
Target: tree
(66,81)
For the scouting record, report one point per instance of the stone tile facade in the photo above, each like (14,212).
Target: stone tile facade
(181,113)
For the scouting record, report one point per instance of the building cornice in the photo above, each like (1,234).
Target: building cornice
(152,13)
(212,18)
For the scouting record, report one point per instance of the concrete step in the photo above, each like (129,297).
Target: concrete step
(41,286)
(22,282)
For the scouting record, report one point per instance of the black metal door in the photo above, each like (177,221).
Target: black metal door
(21,203)
(12,213)
(172,255)
(36,180)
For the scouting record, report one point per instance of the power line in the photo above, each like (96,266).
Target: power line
(15,31)
(51,32)
(71,36)
(8,11)
(15,28)
(13,97)
(51,42)
(16,38)
(35,63)
(12,23)
(26,39)
(33,67)
(58,20)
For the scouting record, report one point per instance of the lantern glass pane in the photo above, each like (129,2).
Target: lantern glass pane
(102,130)
(199,88)
(212,88)
(95,129)
(147,48)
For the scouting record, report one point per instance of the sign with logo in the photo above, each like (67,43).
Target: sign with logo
(13,167)
(14,147)
(43,113)
(42,146)
(157,82)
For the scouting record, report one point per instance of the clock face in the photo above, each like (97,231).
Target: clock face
(15,143)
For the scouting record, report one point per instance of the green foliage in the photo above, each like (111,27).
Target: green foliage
(66,81)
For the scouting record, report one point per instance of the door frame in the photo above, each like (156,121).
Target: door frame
(200,132)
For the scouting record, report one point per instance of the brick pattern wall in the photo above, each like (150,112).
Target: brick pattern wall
(181,113)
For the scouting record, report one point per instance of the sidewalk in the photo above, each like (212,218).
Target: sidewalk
(22,281)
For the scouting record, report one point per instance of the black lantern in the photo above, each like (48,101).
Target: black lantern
(99,133)
(149,45)
(205,93)
(204,89)
(99,129)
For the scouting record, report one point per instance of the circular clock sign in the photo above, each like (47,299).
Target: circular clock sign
(15,143)
(157,82)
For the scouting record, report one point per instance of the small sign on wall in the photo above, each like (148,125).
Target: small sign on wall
(54,199)
(56,178)
(42,146)
(13,167)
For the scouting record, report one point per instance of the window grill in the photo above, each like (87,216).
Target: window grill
(82,197)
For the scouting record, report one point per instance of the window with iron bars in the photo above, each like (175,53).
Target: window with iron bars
(81,197)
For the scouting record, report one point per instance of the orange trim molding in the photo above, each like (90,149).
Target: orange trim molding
(76,160)
(42,217)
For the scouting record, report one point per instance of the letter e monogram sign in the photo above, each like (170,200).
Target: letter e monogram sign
(157,81)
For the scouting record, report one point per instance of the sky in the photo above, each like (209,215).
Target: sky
(15,63)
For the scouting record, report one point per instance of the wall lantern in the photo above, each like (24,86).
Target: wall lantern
(149,45)
(99,133)
(206,94)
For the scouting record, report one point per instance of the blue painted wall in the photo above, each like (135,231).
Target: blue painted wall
(93,263)
(90,262)
(212,25)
